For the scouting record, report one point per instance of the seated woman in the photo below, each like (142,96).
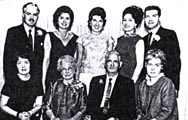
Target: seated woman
(66,98)
(156,94)
(22,96)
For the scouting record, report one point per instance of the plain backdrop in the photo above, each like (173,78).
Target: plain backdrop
(174,17)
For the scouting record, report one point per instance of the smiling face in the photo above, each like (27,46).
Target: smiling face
(154,67)
(151,19)
(30,15)
(68,70)
(96,24)
(23,66)
(128,23)
(64,21)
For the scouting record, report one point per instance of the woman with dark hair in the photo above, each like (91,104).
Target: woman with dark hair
(156,97)
(58,43)
(22,96)
(130,45)
(66,98)
(92,47)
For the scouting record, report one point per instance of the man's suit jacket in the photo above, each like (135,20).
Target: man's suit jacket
(169,44)
(17,41)
(122,99)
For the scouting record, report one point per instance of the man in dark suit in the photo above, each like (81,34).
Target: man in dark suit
(165,40)
(119,104)
(25,37)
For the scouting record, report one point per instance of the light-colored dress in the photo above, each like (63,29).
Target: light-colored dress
(95,48)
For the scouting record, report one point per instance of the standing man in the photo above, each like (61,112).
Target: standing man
(111,96)
(164,39)
(25,37)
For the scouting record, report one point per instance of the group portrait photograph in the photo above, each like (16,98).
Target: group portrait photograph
(93,60)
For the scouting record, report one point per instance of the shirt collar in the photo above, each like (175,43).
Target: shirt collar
(154,30)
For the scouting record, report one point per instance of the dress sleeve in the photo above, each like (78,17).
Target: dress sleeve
(7,90)
(169,102)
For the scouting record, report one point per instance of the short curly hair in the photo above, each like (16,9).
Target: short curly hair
(59,11)
(97,11)
(136,12)
(65,58)
(156,53)
(153,7)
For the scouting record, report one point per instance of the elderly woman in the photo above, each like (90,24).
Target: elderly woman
(156,93)
(58,43)
(22,96)
(130,45)
(93,47)
(66,98)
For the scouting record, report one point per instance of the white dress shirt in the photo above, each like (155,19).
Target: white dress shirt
(106,87)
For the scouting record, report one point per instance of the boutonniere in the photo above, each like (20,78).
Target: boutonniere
(157,38)
(101,81)
(39,32)
(77,85)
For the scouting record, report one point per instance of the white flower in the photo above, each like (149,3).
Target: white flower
(39,33)
(157,38)
(101,81)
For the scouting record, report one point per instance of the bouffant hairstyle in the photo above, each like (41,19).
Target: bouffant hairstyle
(97,11)
(136,13)
(59,11)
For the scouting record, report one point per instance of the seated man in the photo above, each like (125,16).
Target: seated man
(111,96)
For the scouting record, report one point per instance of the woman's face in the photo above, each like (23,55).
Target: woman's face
(67,71)
(154,67)
(96,24)
(64,21)
(23,65)
(128,23)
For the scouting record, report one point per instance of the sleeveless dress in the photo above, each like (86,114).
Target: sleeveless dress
(126,46)
(58,50)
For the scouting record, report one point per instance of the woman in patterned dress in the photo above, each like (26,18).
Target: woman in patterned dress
(92,47)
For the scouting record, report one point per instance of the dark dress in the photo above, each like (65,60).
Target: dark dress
(126,46)
(58,50)
(22,95)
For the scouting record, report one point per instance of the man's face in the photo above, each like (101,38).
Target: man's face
(30,15)
(151,19)
(113,64)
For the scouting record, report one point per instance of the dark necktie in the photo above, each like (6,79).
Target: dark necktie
(30,39)
(149,38)
(106,103)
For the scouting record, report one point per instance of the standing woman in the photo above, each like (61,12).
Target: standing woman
(156,98)
(92,47)
(130,45)
(22,96)
(58,43)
